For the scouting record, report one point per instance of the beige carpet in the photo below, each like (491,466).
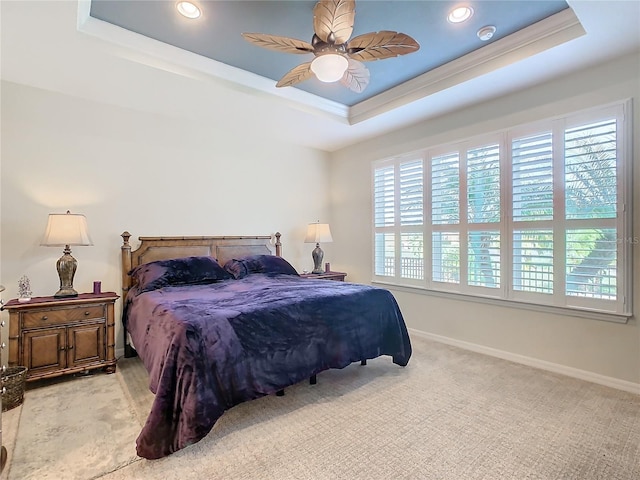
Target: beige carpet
(74,429)
(451,414)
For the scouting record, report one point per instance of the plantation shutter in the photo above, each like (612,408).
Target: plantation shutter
(532,201)
(445,189)
(483,184)
(483,205)
(384,196)
(384,216)
(411,193)
(411,215)
(537,214)
(532,167)
(591,182)
(590,171)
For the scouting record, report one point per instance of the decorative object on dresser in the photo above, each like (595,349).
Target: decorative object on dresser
(24,289)
(338,276)
(64,230)
(318,233)
(52,336)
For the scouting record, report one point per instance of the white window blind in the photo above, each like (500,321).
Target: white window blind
(483,184)
(484,259)
(532,169)
(590,170)
(384,203)
(411,193)
(532,214)
(445,189)
(591,184)
(533,261)
(385,257)
(445,259)
(591,263)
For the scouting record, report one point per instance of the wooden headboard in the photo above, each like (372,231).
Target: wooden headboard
(221,248)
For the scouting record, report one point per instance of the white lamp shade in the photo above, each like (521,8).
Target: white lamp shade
(66,229)
(330,67)
(318,233)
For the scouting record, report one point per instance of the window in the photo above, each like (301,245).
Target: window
(536,214)
(398,206)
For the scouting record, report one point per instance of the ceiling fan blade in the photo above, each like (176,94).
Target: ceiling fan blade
(357,76)
(296,75)
(333,20)
(379,45)
(278,43)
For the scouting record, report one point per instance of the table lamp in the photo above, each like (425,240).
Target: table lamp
(316,233)
(66,229)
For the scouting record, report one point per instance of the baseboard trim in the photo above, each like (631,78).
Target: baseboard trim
(533,362)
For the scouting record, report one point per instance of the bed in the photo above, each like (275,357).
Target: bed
(218,321)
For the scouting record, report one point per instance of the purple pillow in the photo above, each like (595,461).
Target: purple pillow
(269,264)
(178,271)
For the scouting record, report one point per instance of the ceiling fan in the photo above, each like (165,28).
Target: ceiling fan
(336,57)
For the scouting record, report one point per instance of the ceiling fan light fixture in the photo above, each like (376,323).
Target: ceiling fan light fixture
(330,67)
(188,9)
(338,57)
(460,14)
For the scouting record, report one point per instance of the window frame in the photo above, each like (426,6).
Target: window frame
(618,310)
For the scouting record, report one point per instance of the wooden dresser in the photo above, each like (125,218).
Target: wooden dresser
(57,336)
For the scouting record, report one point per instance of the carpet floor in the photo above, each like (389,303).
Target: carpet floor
(76,429)
(450,414)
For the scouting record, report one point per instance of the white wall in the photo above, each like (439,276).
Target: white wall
(582,346)
(145,173)
(61,153)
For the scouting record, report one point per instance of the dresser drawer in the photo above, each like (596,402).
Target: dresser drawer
(43,318)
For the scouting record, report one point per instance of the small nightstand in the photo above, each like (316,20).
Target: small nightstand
(338,276)
(57,336)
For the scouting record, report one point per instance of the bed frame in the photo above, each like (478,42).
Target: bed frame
(163,248)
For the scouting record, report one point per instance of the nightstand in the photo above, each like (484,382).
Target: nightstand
(338,276)
(57,336)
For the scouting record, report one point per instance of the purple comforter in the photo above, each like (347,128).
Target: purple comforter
(210,347)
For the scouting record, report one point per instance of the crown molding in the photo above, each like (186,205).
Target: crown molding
(138,48)
(548,33)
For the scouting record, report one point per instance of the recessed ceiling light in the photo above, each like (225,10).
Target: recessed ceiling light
(188,9)
(486,33)
(460,14)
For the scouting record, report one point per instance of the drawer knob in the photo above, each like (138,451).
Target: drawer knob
(4,390)
(86,314)
(3,368)
(2,345)
(44,317)
(2,323)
